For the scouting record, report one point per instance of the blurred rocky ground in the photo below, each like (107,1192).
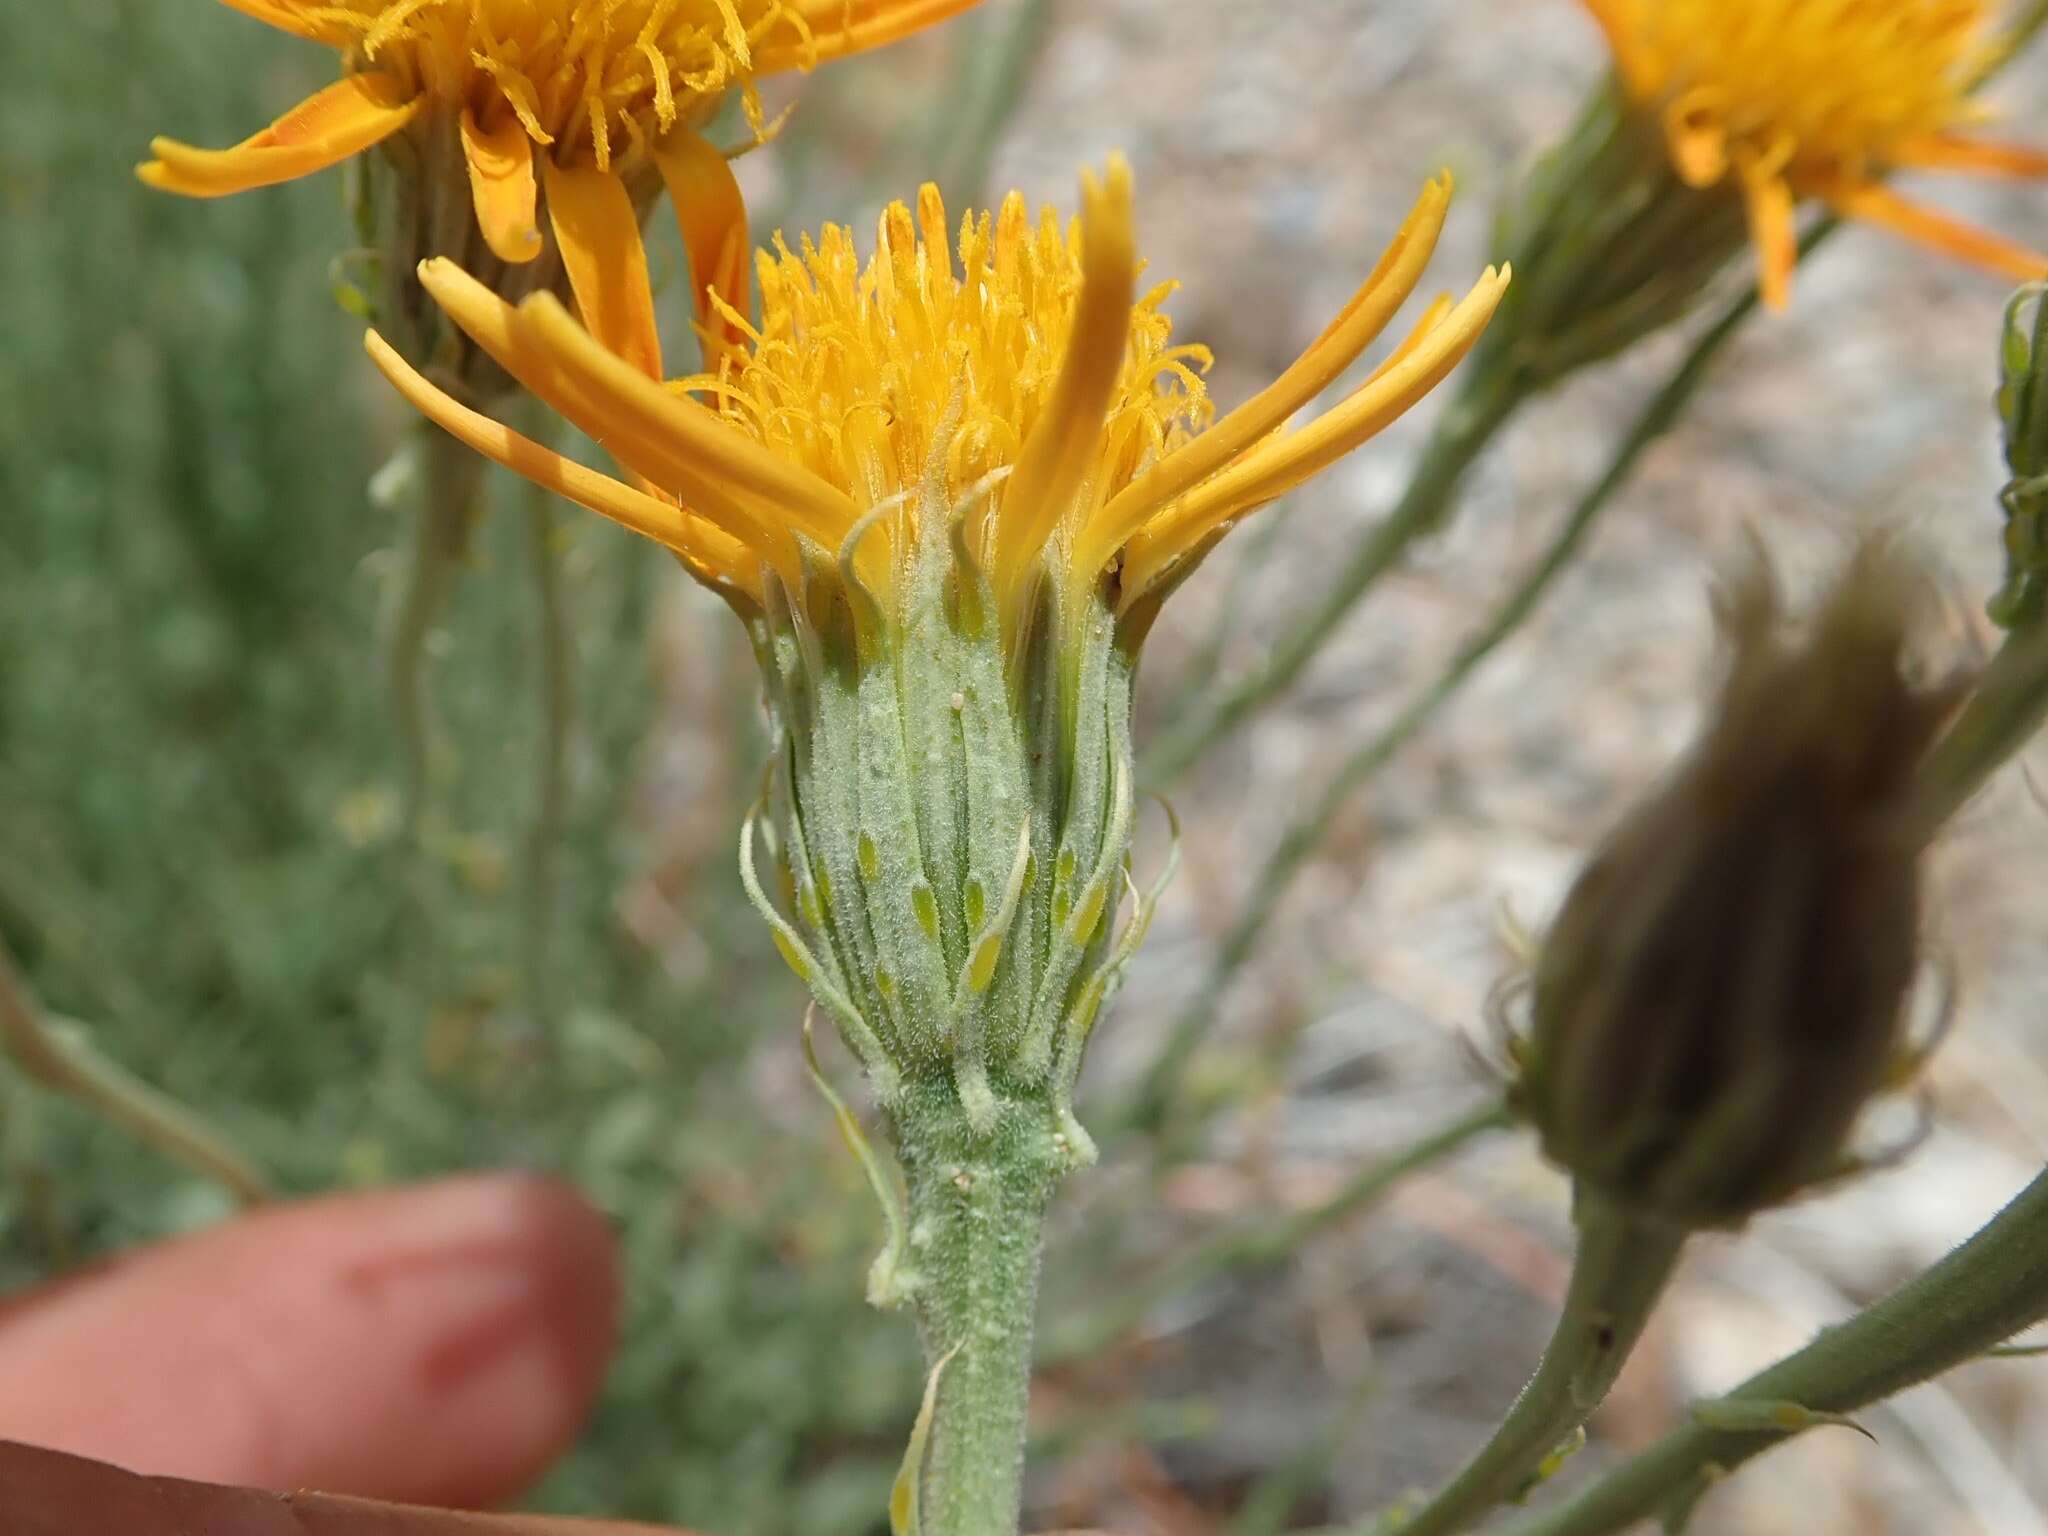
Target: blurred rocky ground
(1276,146)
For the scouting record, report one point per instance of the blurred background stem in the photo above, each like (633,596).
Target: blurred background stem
(991,69)
(449,478)
(56,1054)
(539,894)
(2005,710)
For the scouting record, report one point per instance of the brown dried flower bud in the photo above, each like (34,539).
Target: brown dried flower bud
(1725,986)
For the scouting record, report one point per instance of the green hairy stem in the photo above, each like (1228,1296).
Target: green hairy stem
(952,808)
(977,1207)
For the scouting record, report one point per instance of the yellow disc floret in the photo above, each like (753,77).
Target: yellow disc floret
(580,79)
(859,372)
(1821,99)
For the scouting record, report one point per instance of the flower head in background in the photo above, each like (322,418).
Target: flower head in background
(1823,99)
(575,102)
(948,486)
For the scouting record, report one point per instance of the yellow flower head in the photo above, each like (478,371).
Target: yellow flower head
(588,91)
(948,487)
(1013,376)
(1821,99)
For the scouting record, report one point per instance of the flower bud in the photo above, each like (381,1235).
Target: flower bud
(1725,118)
(1724,988)
(1612,246)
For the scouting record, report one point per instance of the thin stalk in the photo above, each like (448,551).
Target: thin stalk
(993,65)
(1991,1288)
(440,536)
(540,897)
(2006,709)
(63,1062)
(2018,35)
(1618,1274)
(1300,841)
(1251,553)
(1490,398)
(1259,1243)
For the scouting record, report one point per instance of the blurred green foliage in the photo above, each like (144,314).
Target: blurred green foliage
(197,847)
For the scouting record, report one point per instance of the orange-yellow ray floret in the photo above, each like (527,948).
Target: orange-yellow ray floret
(1057,460)
(834,29)
(1354,329)
(598,232)
(501,184)
(812,505)
(714,555)
(591,80)
(1821,99)
(509,337)
(285,15)
(1278,464)
(713,218)
(326,128)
